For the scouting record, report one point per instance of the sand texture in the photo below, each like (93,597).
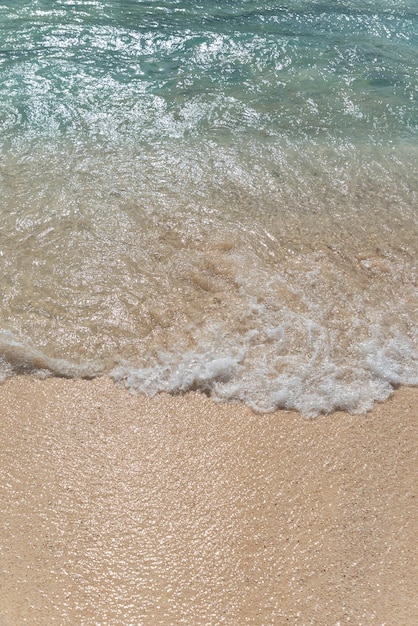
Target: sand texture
(120,509)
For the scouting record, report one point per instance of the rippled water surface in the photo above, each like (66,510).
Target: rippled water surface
(218,196)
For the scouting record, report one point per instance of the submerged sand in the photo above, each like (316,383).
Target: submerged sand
(120,509)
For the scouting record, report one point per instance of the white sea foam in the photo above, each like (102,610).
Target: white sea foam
(267,379)
(193,370)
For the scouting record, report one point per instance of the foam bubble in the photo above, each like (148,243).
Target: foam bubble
(267,379)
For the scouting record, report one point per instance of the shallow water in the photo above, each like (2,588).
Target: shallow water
(219,197)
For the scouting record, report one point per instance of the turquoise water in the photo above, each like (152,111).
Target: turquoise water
(152,71)
(218,196)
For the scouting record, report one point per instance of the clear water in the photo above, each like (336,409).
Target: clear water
(218,196)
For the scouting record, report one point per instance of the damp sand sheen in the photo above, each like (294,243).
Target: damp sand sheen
(208,234)
(124,509)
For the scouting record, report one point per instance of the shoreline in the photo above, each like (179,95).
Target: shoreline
(121,509)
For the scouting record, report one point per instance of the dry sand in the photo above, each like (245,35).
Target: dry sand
(118,509)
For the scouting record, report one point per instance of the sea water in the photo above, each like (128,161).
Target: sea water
(218,196)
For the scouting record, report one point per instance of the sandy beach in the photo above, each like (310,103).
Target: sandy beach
(120,509)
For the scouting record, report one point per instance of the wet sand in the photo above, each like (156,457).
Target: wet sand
(120,509)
